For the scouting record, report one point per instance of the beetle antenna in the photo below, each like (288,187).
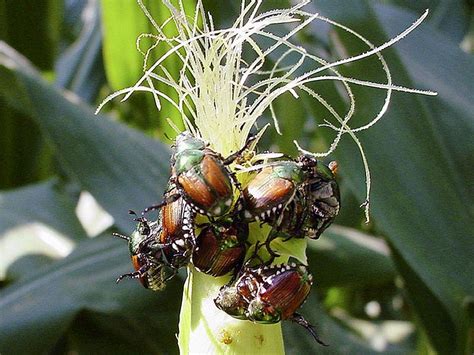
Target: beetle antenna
(127,238)
(299,319)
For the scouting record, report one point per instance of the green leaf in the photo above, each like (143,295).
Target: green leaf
(340,340)
(292,117)
(420,195)
(24,156)
(27,265)
(120,167)
(37,219)
(346,257)
(46,203)
(292,248)
(33,33)
(96,333)
(84,281)
(349,215)
(124,64)
(80,68)
(448,16)
(451,112)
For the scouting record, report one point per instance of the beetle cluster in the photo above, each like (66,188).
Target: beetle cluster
(297,197)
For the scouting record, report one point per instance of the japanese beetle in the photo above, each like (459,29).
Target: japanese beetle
(314,207)
(268,294)
(176,237)
(299,198)
(201,176)
(323,198)
(220,247)
(235,297)
(283,290)
(274,187)
(146,255)
(160,248)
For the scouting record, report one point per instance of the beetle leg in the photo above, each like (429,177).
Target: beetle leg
(238,153)
(237,211)
(299,319)
(237,215)
(237,267)
(273,235)
(136,274)
(132,275)
(254,255)
(166,201)
(173,274)
(235,181)
(202,225)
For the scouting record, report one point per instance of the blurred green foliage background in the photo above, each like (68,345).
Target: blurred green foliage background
(402,284)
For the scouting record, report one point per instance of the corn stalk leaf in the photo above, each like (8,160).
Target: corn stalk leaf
(450,17)
(125,64)
(120,167)
(333,256)
(37,219)
(80,67)
(420,199)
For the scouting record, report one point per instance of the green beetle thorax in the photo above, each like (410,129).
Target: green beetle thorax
(142,232)
(290,171)
(185,141)
(324,172)
(187,159)
(135,239)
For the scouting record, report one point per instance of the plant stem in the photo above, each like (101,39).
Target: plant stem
(203,328)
